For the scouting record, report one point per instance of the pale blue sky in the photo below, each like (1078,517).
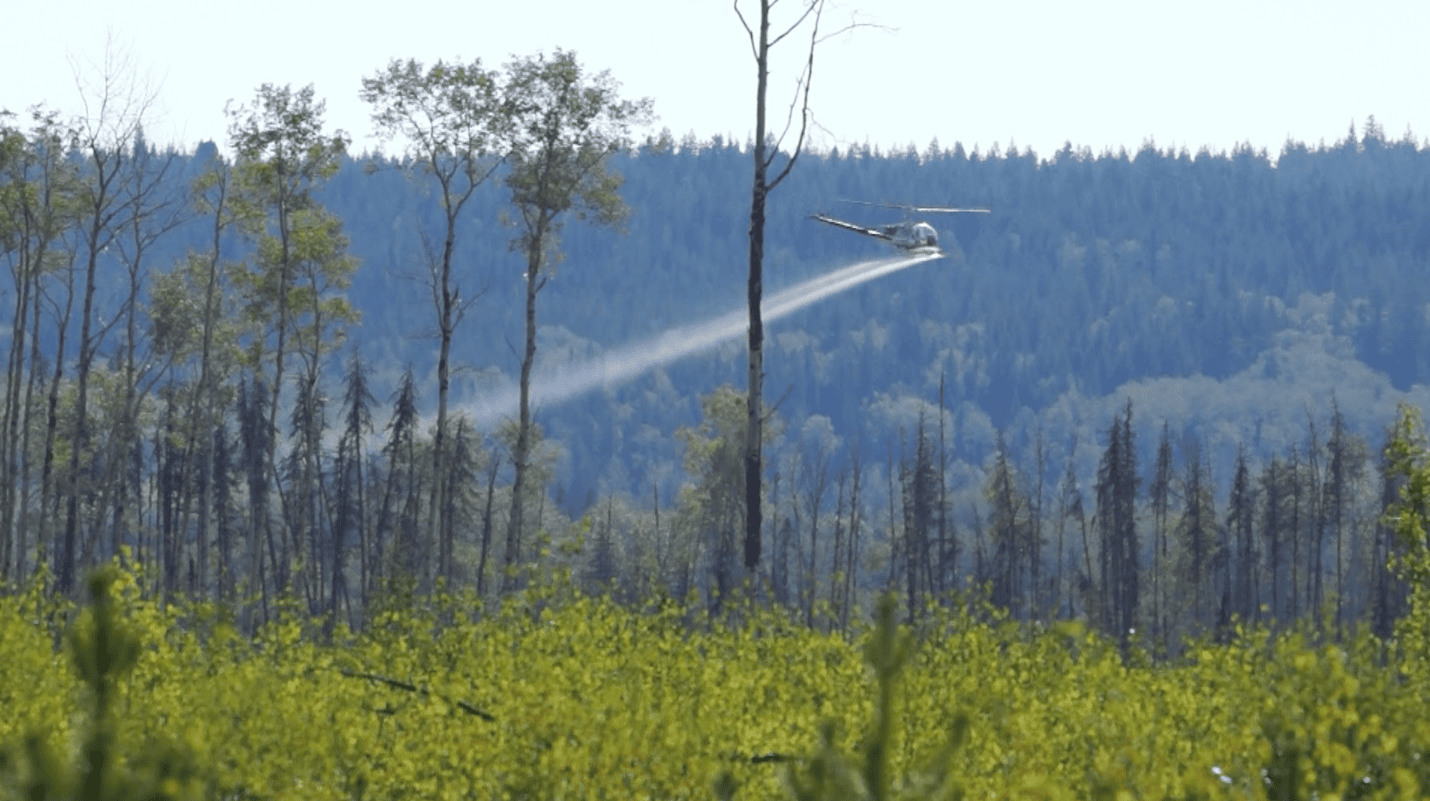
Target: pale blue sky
(1102,74)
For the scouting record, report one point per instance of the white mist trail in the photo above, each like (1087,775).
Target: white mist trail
(630,361)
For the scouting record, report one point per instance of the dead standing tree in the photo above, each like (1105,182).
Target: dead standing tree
(114,108)
(765,153)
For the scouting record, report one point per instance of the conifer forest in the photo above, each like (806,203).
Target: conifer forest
(1150,390)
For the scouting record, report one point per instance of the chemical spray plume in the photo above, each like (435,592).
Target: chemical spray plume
(630,361)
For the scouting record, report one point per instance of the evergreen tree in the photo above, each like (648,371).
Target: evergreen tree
(255,434)
(1345,466)
(395,548)
(1241,513)
(1007,517)
(460,497)
(1275,495)
(301,495)
(1117,484)
(1069,507)
(919,482)
(348,513)
(1159,494)
(1196,530)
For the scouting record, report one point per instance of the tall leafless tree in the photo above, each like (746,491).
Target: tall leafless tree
(115,104)
(765,153)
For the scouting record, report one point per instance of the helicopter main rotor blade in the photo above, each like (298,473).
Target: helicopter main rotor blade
(920,209)
(948,209)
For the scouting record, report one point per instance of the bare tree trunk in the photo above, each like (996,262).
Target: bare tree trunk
(446,302)
(947,551)
(521,454)
(852,563)
(754,290)
(819,476)
(11,422)
(760,44)
(48,492)
(487,523)
(79,438)
(836,554)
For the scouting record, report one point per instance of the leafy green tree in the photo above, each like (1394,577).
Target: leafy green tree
(565,128)
(452,120)
(715,499)
(104,647)
(1409,459)
(712,460)
(281,157)
(39,201)
(1388,594)
(320,329)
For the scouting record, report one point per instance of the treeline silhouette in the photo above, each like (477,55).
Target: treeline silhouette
(964,426)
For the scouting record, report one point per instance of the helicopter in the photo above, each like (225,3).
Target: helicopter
(913,236)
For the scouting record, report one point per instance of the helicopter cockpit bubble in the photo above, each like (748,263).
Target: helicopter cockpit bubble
(925,235)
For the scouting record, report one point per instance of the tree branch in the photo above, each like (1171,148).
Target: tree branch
(423,691)
(807,79)
(805,82)
(815,8)
(754,48)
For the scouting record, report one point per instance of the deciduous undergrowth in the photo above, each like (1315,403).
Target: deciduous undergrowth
(556,695)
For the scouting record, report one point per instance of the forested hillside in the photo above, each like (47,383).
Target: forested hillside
(1160,364)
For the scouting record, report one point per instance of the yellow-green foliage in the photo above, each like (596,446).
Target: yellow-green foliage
(561,696)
